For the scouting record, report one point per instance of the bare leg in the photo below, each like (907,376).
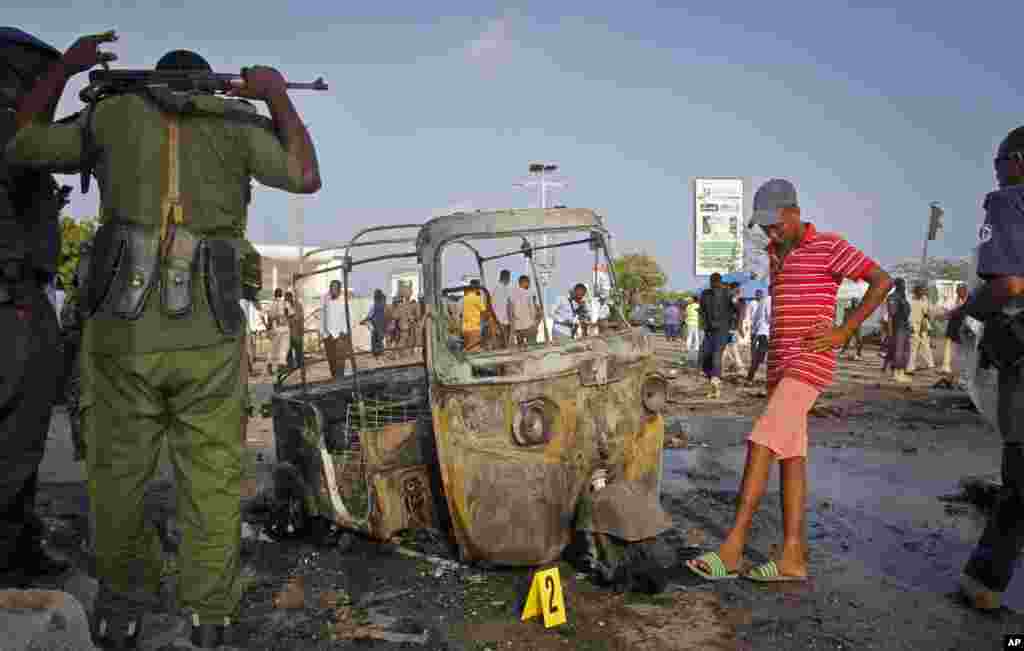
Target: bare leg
(793,484)
(755,478)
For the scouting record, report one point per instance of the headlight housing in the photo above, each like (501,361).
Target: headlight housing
(533,423)
(654,394)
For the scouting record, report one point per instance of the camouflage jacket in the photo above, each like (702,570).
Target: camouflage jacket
(217,157)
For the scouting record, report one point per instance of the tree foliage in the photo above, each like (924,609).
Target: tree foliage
(639,276)
(933,269)
(671,296)
(72,234)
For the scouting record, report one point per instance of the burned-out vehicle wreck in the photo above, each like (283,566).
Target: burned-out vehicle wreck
(513,453)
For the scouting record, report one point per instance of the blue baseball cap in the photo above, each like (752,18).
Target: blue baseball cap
(769,198)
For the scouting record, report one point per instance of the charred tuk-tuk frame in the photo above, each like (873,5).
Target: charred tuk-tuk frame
(496,448)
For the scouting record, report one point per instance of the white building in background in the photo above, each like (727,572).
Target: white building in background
(281,262)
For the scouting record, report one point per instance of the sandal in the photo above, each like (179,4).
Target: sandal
(718,572)
(978,595)
(769,573)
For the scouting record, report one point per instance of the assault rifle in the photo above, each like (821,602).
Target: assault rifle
(114,81)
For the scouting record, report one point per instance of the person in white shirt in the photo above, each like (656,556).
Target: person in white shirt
(566,319)
(523,313)
(334,331)
(760,329)
(58,297)
(249,308)
(500,297)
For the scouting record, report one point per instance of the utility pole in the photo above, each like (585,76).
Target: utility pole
(546,262)
(297,236)
(934,226)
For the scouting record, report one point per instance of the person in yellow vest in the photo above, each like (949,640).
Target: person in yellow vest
(473,310)
(162,320)
(692,324)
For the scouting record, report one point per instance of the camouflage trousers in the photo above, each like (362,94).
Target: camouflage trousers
(192,401)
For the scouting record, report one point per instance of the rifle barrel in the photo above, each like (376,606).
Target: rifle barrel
(149,77)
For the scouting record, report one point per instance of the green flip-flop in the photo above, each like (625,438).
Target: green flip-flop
(769,573)
(718,570)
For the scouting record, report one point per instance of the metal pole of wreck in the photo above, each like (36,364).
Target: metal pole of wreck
(546,263)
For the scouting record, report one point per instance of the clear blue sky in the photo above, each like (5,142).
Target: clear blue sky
(873,112)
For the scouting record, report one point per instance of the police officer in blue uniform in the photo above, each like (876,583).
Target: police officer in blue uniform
(30,364)
(999,304)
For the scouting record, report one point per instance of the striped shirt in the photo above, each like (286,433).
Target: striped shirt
(803,290)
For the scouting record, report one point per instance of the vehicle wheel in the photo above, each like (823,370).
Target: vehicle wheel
(288,518)
(324,533)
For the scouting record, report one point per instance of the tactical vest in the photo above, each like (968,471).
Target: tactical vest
(30,201)
(131,261)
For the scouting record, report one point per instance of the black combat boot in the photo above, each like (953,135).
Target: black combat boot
(118,618)
(116,633)
(37,562)
(31,557)
(211,636)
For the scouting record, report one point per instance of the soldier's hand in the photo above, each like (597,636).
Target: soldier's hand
(260,83)
(85,53)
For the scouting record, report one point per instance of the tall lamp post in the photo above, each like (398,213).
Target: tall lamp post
(545,261)
(934,226)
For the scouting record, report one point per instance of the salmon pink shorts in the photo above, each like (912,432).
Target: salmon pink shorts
(782,428)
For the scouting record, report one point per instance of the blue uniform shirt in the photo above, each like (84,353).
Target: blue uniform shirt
(1001,237)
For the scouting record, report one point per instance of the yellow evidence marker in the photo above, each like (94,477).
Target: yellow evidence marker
(545,598)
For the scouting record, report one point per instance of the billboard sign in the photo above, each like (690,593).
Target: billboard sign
(718,225)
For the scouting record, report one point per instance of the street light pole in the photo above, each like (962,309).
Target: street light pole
(934,225)
(545,262)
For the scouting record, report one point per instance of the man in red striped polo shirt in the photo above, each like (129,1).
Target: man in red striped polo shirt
(807,267)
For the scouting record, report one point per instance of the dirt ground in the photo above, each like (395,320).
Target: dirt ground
(885,549)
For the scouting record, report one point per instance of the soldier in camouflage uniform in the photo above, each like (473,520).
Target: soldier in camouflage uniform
(161,341)
(71,324)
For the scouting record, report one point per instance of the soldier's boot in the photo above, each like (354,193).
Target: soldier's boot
(116,634)
(899,375)
(38,562)
(117,621)
(30,558)
(211,636)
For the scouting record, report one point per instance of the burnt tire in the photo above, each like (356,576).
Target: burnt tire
(325,533)
(288,518)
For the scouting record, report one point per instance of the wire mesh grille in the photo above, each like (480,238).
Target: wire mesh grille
(371,415)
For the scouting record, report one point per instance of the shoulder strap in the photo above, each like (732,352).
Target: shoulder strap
(171,209)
